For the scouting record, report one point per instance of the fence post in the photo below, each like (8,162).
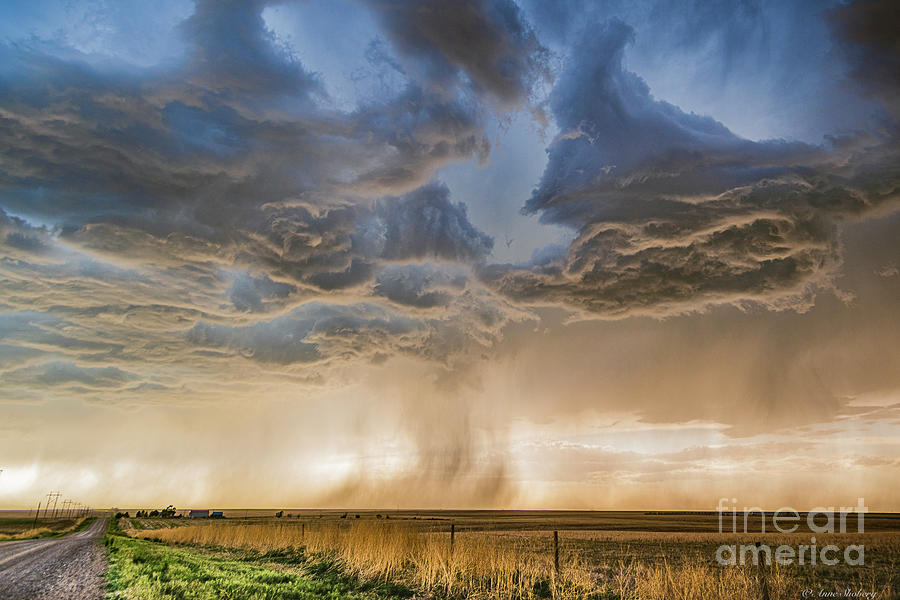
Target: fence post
(452,534)
(556,552)
(763,580)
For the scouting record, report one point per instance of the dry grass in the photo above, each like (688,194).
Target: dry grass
(41,531)
(499,565)
(28,533)
(478,565)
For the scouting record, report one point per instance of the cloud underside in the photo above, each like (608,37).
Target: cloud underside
(221,210)
(674,212)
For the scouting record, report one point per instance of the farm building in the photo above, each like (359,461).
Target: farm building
(199,514)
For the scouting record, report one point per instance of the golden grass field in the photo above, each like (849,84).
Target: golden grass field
(17,529)
(507,558)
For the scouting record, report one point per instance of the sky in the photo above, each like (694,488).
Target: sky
(480,254)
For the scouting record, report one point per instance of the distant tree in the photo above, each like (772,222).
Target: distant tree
(154,513)
(344,516)
(357,516)
(279,514)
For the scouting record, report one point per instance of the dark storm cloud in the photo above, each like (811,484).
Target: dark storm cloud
(234,54)
(673,211)
(487,42)
(232,161)
(200,155)
(248,293)
(313,333)
(866,31)
(224,187)
(419,286)
(147,156)
(417,132)
(318,333)
(426,224)
(17,234)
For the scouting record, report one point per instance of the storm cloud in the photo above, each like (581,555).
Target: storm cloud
(428,229)
(231,159)
(210,151)
(866,32)
(487,42)
(232,175)
(674,212)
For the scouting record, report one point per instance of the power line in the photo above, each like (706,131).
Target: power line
(55,497)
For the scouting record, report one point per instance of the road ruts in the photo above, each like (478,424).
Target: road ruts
(70,567)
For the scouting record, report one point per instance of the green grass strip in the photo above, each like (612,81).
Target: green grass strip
(145,570)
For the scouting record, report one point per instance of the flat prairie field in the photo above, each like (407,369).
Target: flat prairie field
(549,520)
(560,554)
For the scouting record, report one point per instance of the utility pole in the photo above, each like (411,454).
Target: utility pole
(36,513)
(55,497)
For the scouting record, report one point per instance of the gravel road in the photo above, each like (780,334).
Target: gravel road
(70,567)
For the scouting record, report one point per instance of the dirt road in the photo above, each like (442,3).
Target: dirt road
(70,567)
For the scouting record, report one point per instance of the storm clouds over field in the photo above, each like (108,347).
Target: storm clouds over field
(536,254)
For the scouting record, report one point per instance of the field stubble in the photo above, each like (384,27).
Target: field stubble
(520,564)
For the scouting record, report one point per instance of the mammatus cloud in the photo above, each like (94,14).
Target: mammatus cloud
(674,212)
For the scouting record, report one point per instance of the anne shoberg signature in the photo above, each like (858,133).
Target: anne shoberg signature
(845,593)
